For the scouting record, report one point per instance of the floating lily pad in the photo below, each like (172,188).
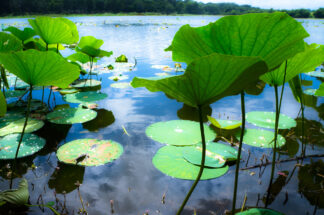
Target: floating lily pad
(121,85)
(259,211)
(310,92)
(118,77)
(86,83)
(68,91)
(71,116)
(178,132)
(216,154)
(317,74)
(17,126)
(225,124)
(89,152)
(10,117)
(14,93)
(84,97)
(170,161)
(261,138)
(267,120)
(29,145)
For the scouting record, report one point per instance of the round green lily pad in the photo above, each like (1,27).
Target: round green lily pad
(84,97)
(30,144)
(259,211)
(89,152)
(10,117)
(121,85)
(261,138)
(216,154)
(310,92)
(17,126)
(118,77)
(267,120)
(178,132)
(317,74)
(68,91)
(71,116)
(86,83)
(14,93)
(170,161)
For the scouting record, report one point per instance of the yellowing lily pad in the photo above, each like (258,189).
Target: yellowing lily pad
(71,116)
(178,132)
(267,120)
(120,85)
(86,83)
(216,154)
(29,145)
(225,124)
(17,126)
(261,138)
(89,152)
(170,161)
(84,97)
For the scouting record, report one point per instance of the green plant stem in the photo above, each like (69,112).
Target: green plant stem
(22,133)
(202,162)
(283,86)
(239,153)
(302,107)
(274,146)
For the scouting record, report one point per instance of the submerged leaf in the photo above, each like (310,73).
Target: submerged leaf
(17,197)
(207,79)
(40,68)
(273,36)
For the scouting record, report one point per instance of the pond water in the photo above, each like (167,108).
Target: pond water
(132,182)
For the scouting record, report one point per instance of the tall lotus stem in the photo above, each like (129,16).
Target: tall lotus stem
(202,161)
(23,131)
(239,153)
(275,144)
(302,106)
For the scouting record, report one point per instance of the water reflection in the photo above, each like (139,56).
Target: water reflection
(191,113)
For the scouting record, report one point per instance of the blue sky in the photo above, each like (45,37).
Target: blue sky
(276,4)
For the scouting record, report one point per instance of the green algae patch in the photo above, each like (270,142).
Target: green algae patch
(178,132)
(216,154)
(170,161)
(267,120)
(261,138)
(89,152)
(30,144)
(71,116)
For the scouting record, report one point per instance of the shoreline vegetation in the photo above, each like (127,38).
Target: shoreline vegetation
(32,8)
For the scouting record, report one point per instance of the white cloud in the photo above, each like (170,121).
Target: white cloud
(276,4)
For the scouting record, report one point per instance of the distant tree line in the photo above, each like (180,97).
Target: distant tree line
(27,7)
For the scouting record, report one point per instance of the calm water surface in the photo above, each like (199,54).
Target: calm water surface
(132,182)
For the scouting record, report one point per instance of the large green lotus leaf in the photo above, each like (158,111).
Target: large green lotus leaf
(86,83)
(23,35)
(300,63)
(225,124)
(53,30)
(9,43)
(90,41)
(72,25)
(261,138)
(71,116)
(317,74)
(40,68)
(216,154)
(16,197)
(80,57)
(320,91)
(178,132)
(3,104)
(267,120)
(89,152)
(170,161)
(84,97)
(273,36)
(207,79)
(30,144)
(259,211)
(17,126)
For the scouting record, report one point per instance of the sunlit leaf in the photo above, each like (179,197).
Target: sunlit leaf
(320,91)
(3,104)
(9,43)
(21,34)
(71,116)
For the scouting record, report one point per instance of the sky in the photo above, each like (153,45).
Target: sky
(276,4)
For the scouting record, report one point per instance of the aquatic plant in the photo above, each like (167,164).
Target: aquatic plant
(246,35)
(23,35)
(206,80)
(3,104)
